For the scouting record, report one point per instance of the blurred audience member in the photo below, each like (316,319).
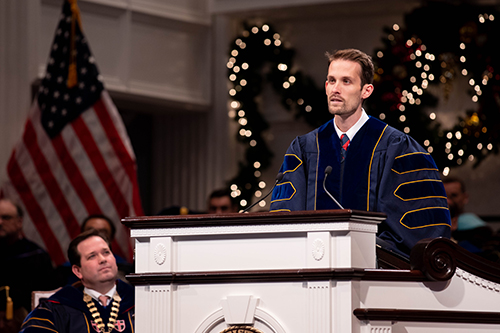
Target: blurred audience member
(25,266)
(220,202)
(467,229)
(100,223)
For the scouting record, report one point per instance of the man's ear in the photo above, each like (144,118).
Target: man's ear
(77,271)
(367,91)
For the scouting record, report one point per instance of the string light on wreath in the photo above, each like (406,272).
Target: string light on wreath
(420,82)
(485,17)
(471,129)
(256,46)
(250,50)
(475,58)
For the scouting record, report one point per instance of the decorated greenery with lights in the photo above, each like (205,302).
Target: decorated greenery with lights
(421,61)
(417,65)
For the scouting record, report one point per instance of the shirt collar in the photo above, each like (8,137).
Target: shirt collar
(355,128)
(95,294)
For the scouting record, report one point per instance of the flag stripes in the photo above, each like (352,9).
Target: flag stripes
(35,212)
(123,154)
(83,173)
(48,179)
(74,158)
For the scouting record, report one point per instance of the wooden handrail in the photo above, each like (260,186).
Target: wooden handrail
(438,259)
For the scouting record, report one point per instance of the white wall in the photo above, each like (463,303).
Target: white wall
(18,49)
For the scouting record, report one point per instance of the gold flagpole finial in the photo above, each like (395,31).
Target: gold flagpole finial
(72,76)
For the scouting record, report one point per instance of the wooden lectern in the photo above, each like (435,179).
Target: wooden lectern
(301,272)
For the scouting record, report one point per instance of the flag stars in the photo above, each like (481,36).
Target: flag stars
(57,102)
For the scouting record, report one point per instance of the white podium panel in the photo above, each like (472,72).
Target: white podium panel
(311,272)
(256,244)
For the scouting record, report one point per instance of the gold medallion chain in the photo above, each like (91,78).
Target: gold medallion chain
(115,305)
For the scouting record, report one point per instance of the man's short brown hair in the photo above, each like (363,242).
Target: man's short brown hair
(363,59)
(73,254)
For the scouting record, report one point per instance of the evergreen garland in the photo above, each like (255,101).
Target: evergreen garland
(418,62)
(421,60)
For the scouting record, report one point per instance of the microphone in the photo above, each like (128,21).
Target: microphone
(328,170)
(279,177)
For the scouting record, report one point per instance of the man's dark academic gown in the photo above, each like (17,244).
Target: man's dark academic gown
(385,171)
(66,312)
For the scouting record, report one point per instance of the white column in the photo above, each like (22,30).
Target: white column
(19,35)
(319,306)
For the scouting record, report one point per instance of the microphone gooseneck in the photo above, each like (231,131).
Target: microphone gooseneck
(279,177)
(328,170)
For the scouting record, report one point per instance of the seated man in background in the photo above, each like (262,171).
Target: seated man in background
(467,229)
(221,202)
(100,300)
(24,266)
(101,223)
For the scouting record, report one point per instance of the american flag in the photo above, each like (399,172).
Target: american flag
(74,158)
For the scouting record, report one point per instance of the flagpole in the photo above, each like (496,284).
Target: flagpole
(72,73)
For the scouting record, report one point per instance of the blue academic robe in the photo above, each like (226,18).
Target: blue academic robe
(66,312)
(385,171)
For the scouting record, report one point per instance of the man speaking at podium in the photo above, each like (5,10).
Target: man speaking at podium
(358,162)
